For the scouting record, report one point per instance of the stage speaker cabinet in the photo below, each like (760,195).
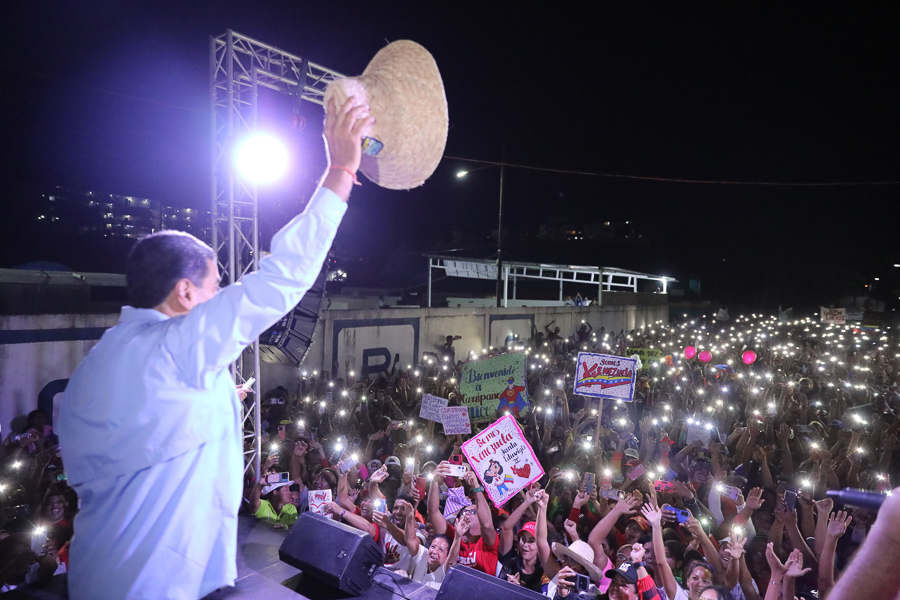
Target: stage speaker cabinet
(336,554)
(466,582)
(287,341)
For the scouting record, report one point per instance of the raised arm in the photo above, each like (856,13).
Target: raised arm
(435,516)
(213,334)
(663,571)
(550,565)
(508,529)
(488,534)
(836,527)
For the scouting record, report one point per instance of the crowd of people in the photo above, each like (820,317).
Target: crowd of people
(710,484)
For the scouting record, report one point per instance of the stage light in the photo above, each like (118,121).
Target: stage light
(464,173)
(262,159)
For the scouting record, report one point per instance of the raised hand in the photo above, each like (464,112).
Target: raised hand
(794,565)
(784,433)
(470,479)
(380,475)
(571,529)
(694,526)
(580,500)
(646,425)
(637,553)
(759,454)
(754,499)
(652,514)
(514,579)
(462,526)
(627,505)
(823,507)
(736,547)
(837,523)
(778,569)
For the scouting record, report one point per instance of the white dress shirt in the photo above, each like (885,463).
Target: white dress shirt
(150,429)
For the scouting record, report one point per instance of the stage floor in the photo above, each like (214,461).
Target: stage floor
(262,576)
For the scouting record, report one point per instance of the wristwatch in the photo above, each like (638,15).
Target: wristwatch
(638,565)
(478,489)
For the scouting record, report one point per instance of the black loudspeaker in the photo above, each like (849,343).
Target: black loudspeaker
(336,554)
(287,341)
(466,582)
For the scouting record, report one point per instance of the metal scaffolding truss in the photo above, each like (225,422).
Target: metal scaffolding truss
(238,67)
(612,279)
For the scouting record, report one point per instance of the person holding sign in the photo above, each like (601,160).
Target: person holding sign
(476,544)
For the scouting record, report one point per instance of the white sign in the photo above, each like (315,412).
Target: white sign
(605,376)
(835,316)
(698,432)
(431,407)
(456,420)
(318,500)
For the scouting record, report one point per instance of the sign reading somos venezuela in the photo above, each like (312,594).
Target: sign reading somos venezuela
(605,376)
(503,461)
(492,384)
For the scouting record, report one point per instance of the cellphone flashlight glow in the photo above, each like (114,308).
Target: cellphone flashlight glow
(720,488)
(418,390)
(354,458)
(806,483)
(352,373)
(607,473)
(430,476)
(622,422)
(273,449)
(322,404)
(40,530)
(419,438)
(344,392)
(410,462)
(737,530)
(16,465)
(428,448)
(338,446)
(330,384)
(341,413)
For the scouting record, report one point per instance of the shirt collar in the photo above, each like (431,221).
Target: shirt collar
(136,315)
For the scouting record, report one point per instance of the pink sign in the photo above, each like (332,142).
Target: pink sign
(503,461)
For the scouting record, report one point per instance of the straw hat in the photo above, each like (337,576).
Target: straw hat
(405,94)
(581,553)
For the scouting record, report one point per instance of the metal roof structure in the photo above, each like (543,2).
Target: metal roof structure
(607,279)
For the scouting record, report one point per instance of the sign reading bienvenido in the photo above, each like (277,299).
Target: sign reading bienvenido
(492,384)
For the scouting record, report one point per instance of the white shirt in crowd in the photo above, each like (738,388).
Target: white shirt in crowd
(418,570)
(150,431)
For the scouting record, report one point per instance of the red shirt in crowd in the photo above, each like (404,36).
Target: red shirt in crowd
(478,555)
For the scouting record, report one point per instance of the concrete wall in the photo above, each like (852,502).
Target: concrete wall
(39,352)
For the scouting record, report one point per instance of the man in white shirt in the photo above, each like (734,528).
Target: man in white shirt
(150,422)
(427,566)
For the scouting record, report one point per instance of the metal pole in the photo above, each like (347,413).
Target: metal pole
(429,283)
(600,291)
(505,286)
(500,238)
(214,148)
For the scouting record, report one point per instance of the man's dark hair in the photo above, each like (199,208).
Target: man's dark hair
(159,261)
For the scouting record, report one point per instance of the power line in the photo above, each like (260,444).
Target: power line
(678,180)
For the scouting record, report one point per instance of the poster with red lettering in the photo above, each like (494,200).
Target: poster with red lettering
(503,461)
(605,376)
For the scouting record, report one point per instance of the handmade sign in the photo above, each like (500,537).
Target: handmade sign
(318,500)
(699,431)
(456,420)
(605,376)
(836,316)
(431,407)
(647,355)
(503,461)
(492,384)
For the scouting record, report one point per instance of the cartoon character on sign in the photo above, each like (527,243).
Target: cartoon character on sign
(512,397)
(494,476)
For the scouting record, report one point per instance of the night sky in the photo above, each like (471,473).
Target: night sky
(113,96)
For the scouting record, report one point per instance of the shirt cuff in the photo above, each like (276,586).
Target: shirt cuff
(328,204)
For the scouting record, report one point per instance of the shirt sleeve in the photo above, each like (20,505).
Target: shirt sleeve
(646,588)
(214,333)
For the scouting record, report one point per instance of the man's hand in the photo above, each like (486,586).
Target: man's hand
(471,480)
(564,581)
(627,505)
(823,507)
(695,528)
(344,129)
